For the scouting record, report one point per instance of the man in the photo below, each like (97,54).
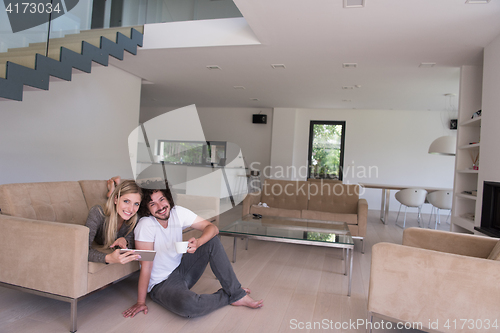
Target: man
(169,278)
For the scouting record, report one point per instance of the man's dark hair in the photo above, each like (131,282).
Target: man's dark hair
(146,199)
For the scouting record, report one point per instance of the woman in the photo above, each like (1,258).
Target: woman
(112,227)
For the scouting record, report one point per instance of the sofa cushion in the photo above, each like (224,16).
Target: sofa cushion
(269,211)
(51,201)
(285,194)
(333,197)
(495,253)
(354,229)
(325,216)
(103,274)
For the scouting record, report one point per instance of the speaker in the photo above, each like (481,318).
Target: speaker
(453,124)
(259,119)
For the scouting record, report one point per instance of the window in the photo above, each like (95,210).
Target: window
(192,152)
(326,149)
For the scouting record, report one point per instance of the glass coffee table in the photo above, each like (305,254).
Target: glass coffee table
(296,231)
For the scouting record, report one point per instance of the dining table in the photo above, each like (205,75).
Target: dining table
(386,194)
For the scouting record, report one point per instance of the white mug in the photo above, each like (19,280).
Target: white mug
(181,247)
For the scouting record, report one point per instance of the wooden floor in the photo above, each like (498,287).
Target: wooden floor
(300,285)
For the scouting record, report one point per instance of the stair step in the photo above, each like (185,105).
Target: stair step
(26,61)
(22,52)
(101,32)
(53,53)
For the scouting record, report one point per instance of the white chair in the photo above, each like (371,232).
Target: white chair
(410,197)
(439,200)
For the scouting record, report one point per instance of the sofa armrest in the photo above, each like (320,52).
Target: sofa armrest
(417,285)
(362,217)
(251,199)
(449,242)
(45,256)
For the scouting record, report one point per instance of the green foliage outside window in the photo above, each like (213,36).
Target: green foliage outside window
(321,236)
(326,151)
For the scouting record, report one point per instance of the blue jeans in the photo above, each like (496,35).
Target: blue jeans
(174,294)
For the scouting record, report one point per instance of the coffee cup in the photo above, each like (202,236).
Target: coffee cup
(181,247)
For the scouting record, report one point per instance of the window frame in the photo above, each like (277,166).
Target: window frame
(342,144)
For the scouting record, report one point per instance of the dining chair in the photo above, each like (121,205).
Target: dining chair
(439,200)
(410,197)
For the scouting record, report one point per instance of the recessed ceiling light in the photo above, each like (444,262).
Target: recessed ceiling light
(239,87)
(349,65)
(347,87)
(347,100)
(354,3)
(278,66)
(477,1)
(254,99)
(427,64)
(214,67)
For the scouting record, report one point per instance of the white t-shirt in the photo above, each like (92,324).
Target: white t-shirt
(148,229)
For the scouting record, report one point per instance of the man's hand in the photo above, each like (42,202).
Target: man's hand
(135,309)
(193,245)
(121,242)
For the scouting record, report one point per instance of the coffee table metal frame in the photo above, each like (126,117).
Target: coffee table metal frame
(346,247)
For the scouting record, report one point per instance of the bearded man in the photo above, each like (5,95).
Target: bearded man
(170,276)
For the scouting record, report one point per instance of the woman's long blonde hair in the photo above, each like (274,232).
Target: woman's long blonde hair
(111,222)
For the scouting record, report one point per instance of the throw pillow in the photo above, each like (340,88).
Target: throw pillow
(495,253)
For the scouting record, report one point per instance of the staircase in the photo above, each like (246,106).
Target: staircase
(29,65)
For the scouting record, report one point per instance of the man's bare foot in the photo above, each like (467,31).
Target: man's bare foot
(248,302)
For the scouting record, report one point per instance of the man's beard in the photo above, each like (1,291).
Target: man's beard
(165,219)
(159,218)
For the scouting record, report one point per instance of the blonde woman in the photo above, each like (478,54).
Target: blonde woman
(113,225)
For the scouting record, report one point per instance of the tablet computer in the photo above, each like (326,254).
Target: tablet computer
(146,255)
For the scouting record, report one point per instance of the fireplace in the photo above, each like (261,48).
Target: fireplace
(490,213)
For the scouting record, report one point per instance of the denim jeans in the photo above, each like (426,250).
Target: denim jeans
(174,294)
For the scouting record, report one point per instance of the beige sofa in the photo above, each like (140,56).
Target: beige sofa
(45,241)
(436,277)
(324,200)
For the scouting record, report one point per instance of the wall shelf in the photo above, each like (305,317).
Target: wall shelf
(468,171)
(468,131)
(466,196)
(464,223)
(471,146)
(472,122)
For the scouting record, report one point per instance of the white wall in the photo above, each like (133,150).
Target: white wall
(76,130)
(382,147)
(489,160)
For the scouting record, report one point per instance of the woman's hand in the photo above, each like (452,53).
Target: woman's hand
(135,309)
(121,242)
(116,257)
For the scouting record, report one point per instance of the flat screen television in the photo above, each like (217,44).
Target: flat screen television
(490,213)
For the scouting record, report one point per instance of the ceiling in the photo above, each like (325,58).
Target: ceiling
(388,39)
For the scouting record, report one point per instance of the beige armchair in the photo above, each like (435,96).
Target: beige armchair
(441,280)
